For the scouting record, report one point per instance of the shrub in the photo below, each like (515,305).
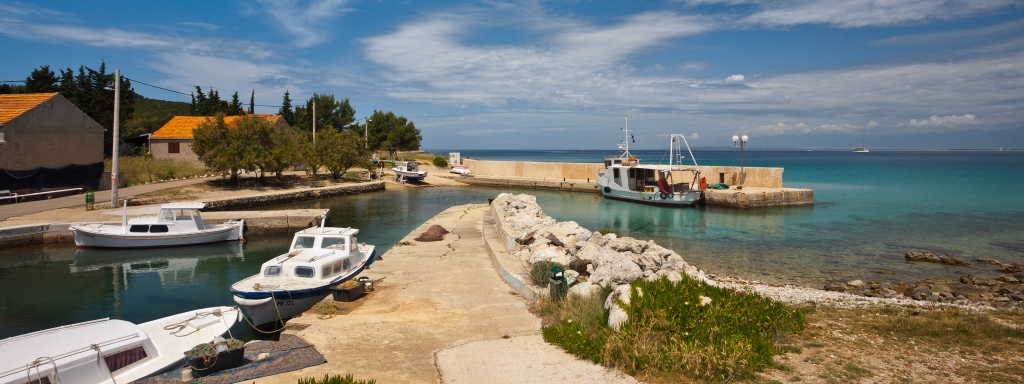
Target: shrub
(336,379)
(440,162)
(541,272)
(578,324)
(604,231)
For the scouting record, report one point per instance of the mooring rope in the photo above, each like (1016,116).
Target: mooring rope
(39,374)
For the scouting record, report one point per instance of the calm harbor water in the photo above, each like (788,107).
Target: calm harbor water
(870,209)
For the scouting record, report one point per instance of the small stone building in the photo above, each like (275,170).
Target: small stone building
(174,139)
(47,142)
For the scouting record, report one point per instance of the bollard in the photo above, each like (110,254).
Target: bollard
(90,199)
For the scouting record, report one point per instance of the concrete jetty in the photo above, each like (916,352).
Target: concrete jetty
(441,314)
(761,186)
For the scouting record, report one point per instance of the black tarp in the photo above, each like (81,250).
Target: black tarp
(73,175)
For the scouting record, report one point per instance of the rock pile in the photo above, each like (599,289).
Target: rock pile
(607,260)
(931,258)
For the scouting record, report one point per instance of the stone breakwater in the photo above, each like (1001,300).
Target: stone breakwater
(247,202)
(613,262)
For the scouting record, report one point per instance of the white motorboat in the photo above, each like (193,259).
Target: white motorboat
(109,351)
(409,170)
(177,224)
(624,178)
(319,259)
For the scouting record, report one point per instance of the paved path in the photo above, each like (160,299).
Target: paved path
(441,315)
(102,198)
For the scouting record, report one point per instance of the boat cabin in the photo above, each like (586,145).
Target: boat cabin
(184,216)
(90,352)
(318,253)
(651,178)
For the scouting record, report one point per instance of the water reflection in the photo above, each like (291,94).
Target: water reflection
(171,268)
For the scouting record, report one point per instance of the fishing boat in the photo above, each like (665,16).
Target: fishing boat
(861,148)
(109,350)
(319,259)
(177,224)
(409,170)
(625,178)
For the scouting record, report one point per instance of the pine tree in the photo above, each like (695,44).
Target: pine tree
(41,80)
(252,103)
(236,105)
(286,109)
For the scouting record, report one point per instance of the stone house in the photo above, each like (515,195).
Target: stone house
(47,142)
(174,139)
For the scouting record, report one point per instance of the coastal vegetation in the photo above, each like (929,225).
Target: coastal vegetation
(440,162)
(252,144)
(677,330)
(336,379)
(146,169)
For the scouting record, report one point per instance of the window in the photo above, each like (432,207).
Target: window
(303,242)
(2,137)
(41,380)
(333,243)
(139,228)
(304,272)
(173,148)
(326,271)
(346,264)
(158,229)
(272,270)
(125,358)
(337,267)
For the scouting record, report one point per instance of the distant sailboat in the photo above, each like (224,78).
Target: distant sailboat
(861,148)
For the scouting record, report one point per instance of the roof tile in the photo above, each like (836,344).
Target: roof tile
(14,105)
(181,127)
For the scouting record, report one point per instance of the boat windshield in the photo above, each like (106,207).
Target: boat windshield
(303,242)
(339,243)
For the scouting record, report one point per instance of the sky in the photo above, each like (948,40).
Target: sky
(564,74)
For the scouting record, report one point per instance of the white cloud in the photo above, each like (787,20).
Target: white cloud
(872,124)
(781,128)
(693,136)
(943,121)
(864,13)
(734,78)
(309,22)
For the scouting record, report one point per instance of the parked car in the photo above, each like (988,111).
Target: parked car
(461,169)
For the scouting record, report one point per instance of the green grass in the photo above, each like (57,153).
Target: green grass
(670,335)
(336,379)
(541,272)
(142,169)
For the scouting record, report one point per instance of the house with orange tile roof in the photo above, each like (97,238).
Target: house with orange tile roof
(174,139)
(47,142)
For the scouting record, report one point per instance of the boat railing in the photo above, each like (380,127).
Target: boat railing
(321,256)
(93,348)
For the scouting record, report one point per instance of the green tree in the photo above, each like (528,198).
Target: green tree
(9,89)
(236,106)
(392,133)
(209,104)
(286,110)
(312,154)
(252,103)
(224,148)
(330,113)
(42,80)
(283,153)
(343,150)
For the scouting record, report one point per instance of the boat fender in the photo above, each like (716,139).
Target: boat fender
(664,195)
(671,194)
(607,189)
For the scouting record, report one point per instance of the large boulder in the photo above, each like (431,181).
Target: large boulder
(616,315)
(549,253)
(612,268)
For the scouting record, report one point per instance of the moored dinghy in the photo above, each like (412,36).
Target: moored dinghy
(319,259)
(177,224)
(109,351)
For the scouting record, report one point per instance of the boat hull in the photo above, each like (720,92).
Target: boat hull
(93,237)
(679,199)
(410,176)
(267,309)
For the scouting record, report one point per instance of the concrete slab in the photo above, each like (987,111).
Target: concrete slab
(436,296)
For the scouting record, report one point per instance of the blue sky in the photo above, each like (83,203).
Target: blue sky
(563,74)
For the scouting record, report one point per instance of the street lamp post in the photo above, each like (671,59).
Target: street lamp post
(743,142)
(366,131)
(114,150)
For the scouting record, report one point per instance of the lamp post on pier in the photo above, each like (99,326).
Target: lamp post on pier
(116,140)
(743,143)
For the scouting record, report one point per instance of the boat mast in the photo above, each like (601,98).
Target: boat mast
(625,151)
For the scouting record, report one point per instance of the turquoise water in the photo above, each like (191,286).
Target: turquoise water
(870,209)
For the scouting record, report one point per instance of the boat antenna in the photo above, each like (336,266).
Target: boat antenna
(625,150)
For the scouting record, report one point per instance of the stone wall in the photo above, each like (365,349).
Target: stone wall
(571,185)
(288,197)
(159,149)
(759,198)
(751,176)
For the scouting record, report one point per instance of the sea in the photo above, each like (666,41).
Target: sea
(870,209)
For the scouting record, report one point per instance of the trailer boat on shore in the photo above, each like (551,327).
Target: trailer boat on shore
(110,351)
(319,259)
(409,170)
(626,179)
(177,225)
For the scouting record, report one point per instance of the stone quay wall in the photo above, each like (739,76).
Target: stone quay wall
(750,176)
(570,185)
(781,197)
(288,197)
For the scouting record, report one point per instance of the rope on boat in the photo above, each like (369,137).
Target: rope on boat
(181,325)
(99,359)
(39,374)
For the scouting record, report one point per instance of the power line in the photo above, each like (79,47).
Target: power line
(190,95)
(13,81)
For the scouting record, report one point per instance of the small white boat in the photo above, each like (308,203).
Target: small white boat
(319,259)
(109,351)
(178,224)
(626,179)
(409,170)
(861,150)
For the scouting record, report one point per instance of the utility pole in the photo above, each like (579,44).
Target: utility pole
(314,121)
(114,152)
